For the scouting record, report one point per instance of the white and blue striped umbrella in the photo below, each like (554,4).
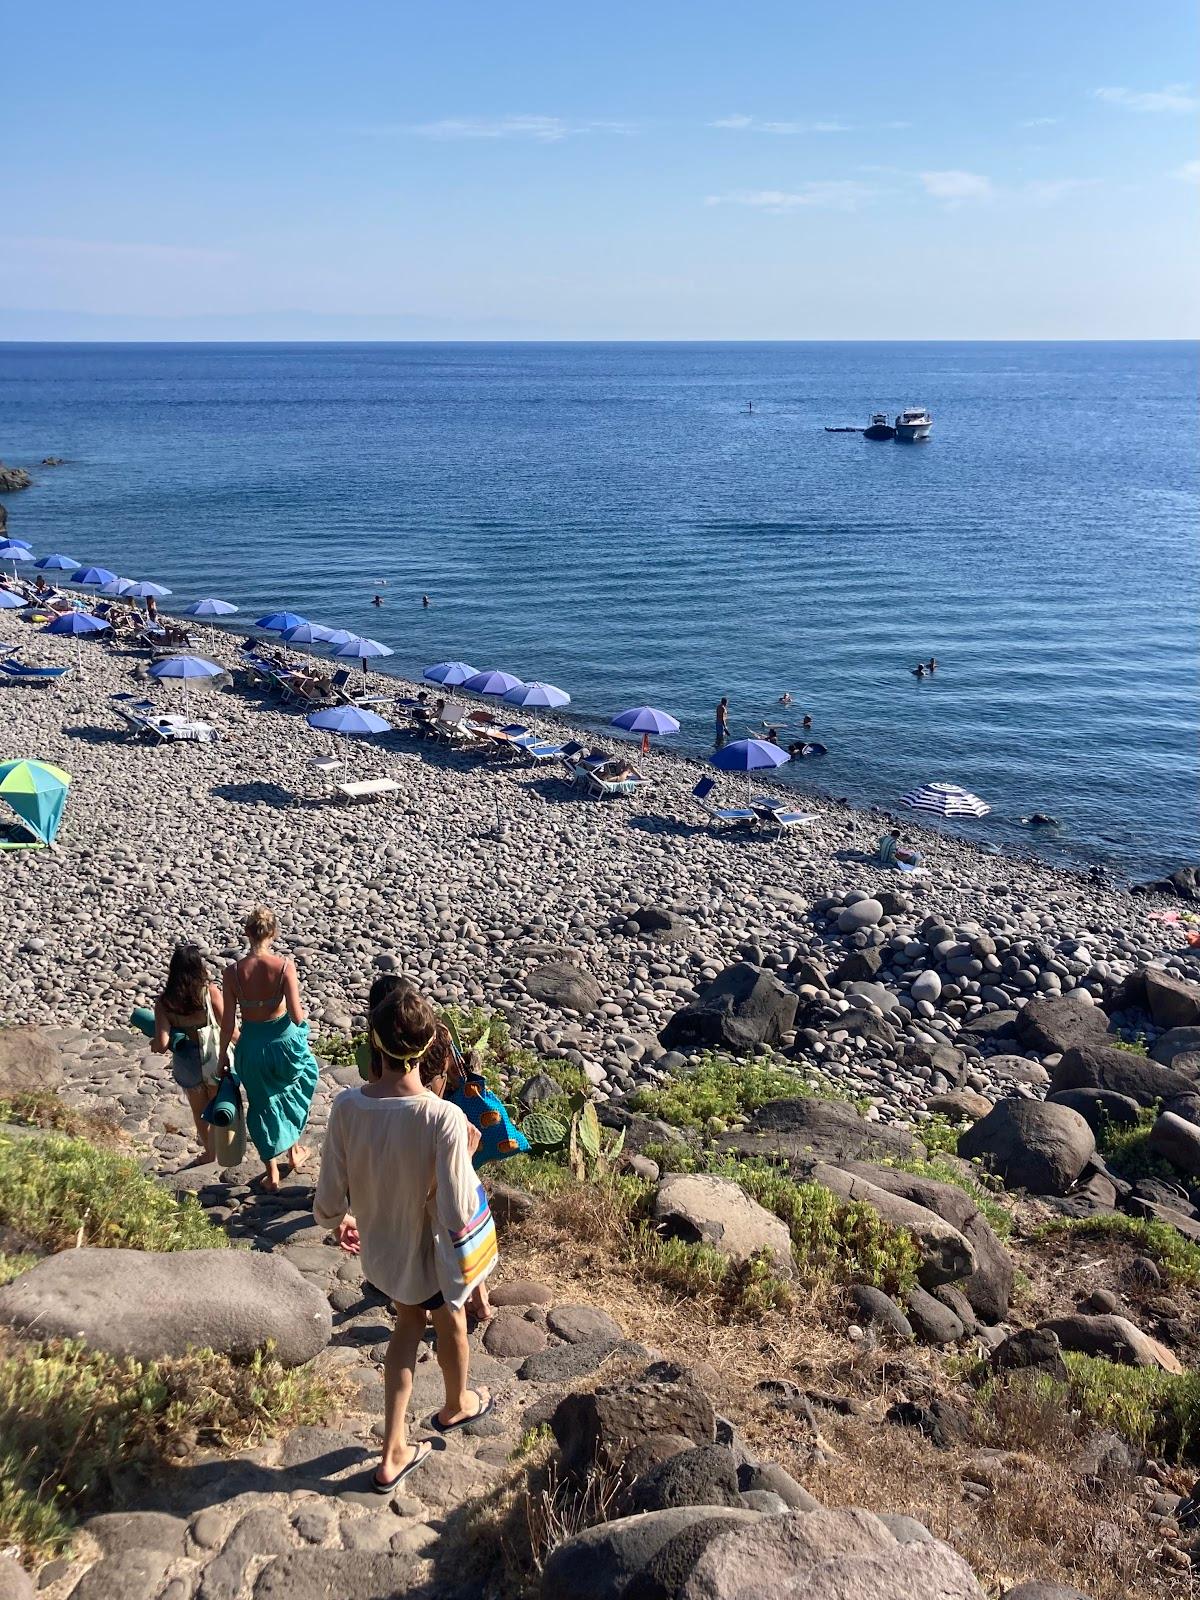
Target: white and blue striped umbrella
(946,799)
(209,607)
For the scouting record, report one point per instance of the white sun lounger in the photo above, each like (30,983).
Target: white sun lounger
(367,788)
(776,811)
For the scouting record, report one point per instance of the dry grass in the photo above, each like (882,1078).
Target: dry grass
(1035,1522)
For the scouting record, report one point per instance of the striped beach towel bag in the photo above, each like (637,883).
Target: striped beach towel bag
(472,1254)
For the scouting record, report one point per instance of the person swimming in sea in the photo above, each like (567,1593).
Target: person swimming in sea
(931,664)
(377,600)
(807,722)
(919,670)
(426,601)
(772,736)
(785,698)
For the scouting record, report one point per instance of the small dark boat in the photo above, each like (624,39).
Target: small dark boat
(843,430)
(880,427)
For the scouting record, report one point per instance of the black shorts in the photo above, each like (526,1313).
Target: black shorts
(434,1304)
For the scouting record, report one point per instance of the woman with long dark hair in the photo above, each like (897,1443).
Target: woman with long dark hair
(187,1021)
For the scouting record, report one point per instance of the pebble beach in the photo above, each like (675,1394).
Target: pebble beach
(483,881)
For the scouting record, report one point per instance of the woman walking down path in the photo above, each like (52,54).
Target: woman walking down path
(187,1016)
(402,1158)
(273,1062)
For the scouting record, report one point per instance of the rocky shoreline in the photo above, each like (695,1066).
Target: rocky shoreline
(587,924)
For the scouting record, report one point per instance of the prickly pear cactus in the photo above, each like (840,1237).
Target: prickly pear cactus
(544,1131)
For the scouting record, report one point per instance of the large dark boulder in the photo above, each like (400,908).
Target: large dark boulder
(988,1288)
(705,1476)
(603,1562)
(703,1209)
(1113,1338)
(1175,1042)
(742,1007)
(1099,1108)
(1031,1145)
(1103,1066)
(1053,1025)
(1172,1002)
(1031,1350)
(566,987)
(1178,1142)
(602,1426)
(945,1253)
(806,1130)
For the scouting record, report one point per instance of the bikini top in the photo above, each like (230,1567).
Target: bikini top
(271,1005)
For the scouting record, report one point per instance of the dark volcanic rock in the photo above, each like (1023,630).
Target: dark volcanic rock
(705,1476)
(1098,1107)
(741,1008)
(1053,1025)
(1171,1001)
(1031,1349)
(804,1131)
(1103,1066)
(601,1426)
(1031,1145)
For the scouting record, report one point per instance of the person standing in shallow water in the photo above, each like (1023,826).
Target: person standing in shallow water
(402,1158)
(274,1065)
(722,720)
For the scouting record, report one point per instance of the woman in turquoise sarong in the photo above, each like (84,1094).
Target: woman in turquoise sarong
(272,1060)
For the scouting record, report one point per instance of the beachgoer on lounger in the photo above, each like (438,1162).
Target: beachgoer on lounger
(401,1158)
(187,1024)
(273,1062)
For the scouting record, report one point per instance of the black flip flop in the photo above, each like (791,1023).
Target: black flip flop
(449,1427)
(424,1451)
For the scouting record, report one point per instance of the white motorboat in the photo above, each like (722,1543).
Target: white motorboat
(914,423)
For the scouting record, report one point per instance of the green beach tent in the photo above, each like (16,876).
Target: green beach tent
(37,792)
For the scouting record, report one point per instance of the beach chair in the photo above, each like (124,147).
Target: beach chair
(600,788)
(730,816)
(537,750)
(345,694)
(13,671)
(771,809)
(165,729)
(367,788)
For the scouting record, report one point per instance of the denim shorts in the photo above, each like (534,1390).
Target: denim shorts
(187,1066)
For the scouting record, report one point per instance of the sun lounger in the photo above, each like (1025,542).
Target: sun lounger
(772,809)
(17,672)
(341,686)
(601,788)
(166,729)
(367,788)
(538,751)
(731,816)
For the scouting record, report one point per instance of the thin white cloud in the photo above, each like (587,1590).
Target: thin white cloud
(539,129)
(897,124)
(1176,97)
(832,195)
(1189,172)
(738,123)
(1039,122)
(118,249)
(1049,191)
(954,186)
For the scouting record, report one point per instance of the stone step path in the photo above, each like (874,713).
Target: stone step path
(297,1517)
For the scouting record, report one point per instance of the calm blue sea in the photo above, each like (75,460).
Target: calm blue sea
(615,519)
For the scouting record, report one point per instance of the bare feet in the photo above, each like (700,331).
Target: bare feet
(298,1156)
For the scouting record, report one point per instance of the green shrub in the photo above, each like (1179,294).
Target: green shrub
(1127,1149)
(62,1192)
(12,1266)
(1137,1045)
(44,1109)
(718,1088)
(1157,1411)
(71,1418)
(1177,1256)
(939,1135)
(697,1271)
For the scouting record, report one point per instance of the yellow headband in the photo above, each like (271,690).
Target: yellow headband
(392,1055)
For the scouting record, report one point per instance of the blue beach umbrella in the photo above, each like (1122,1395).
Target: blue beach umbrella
(13,550)
(645,719)
(348,719)
(10,601)
(118,586)
(209,608)
(363,650)
(309,633)
(537,694)
(748,755)
(339,637)
(23,544)
(145,590)
(187,668)
(93,577)
(78,624)
(280,621)
(492,681)
(449,673)
(56,563)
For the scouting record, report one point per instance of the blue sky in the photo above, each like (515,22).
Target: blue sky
(668,170)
